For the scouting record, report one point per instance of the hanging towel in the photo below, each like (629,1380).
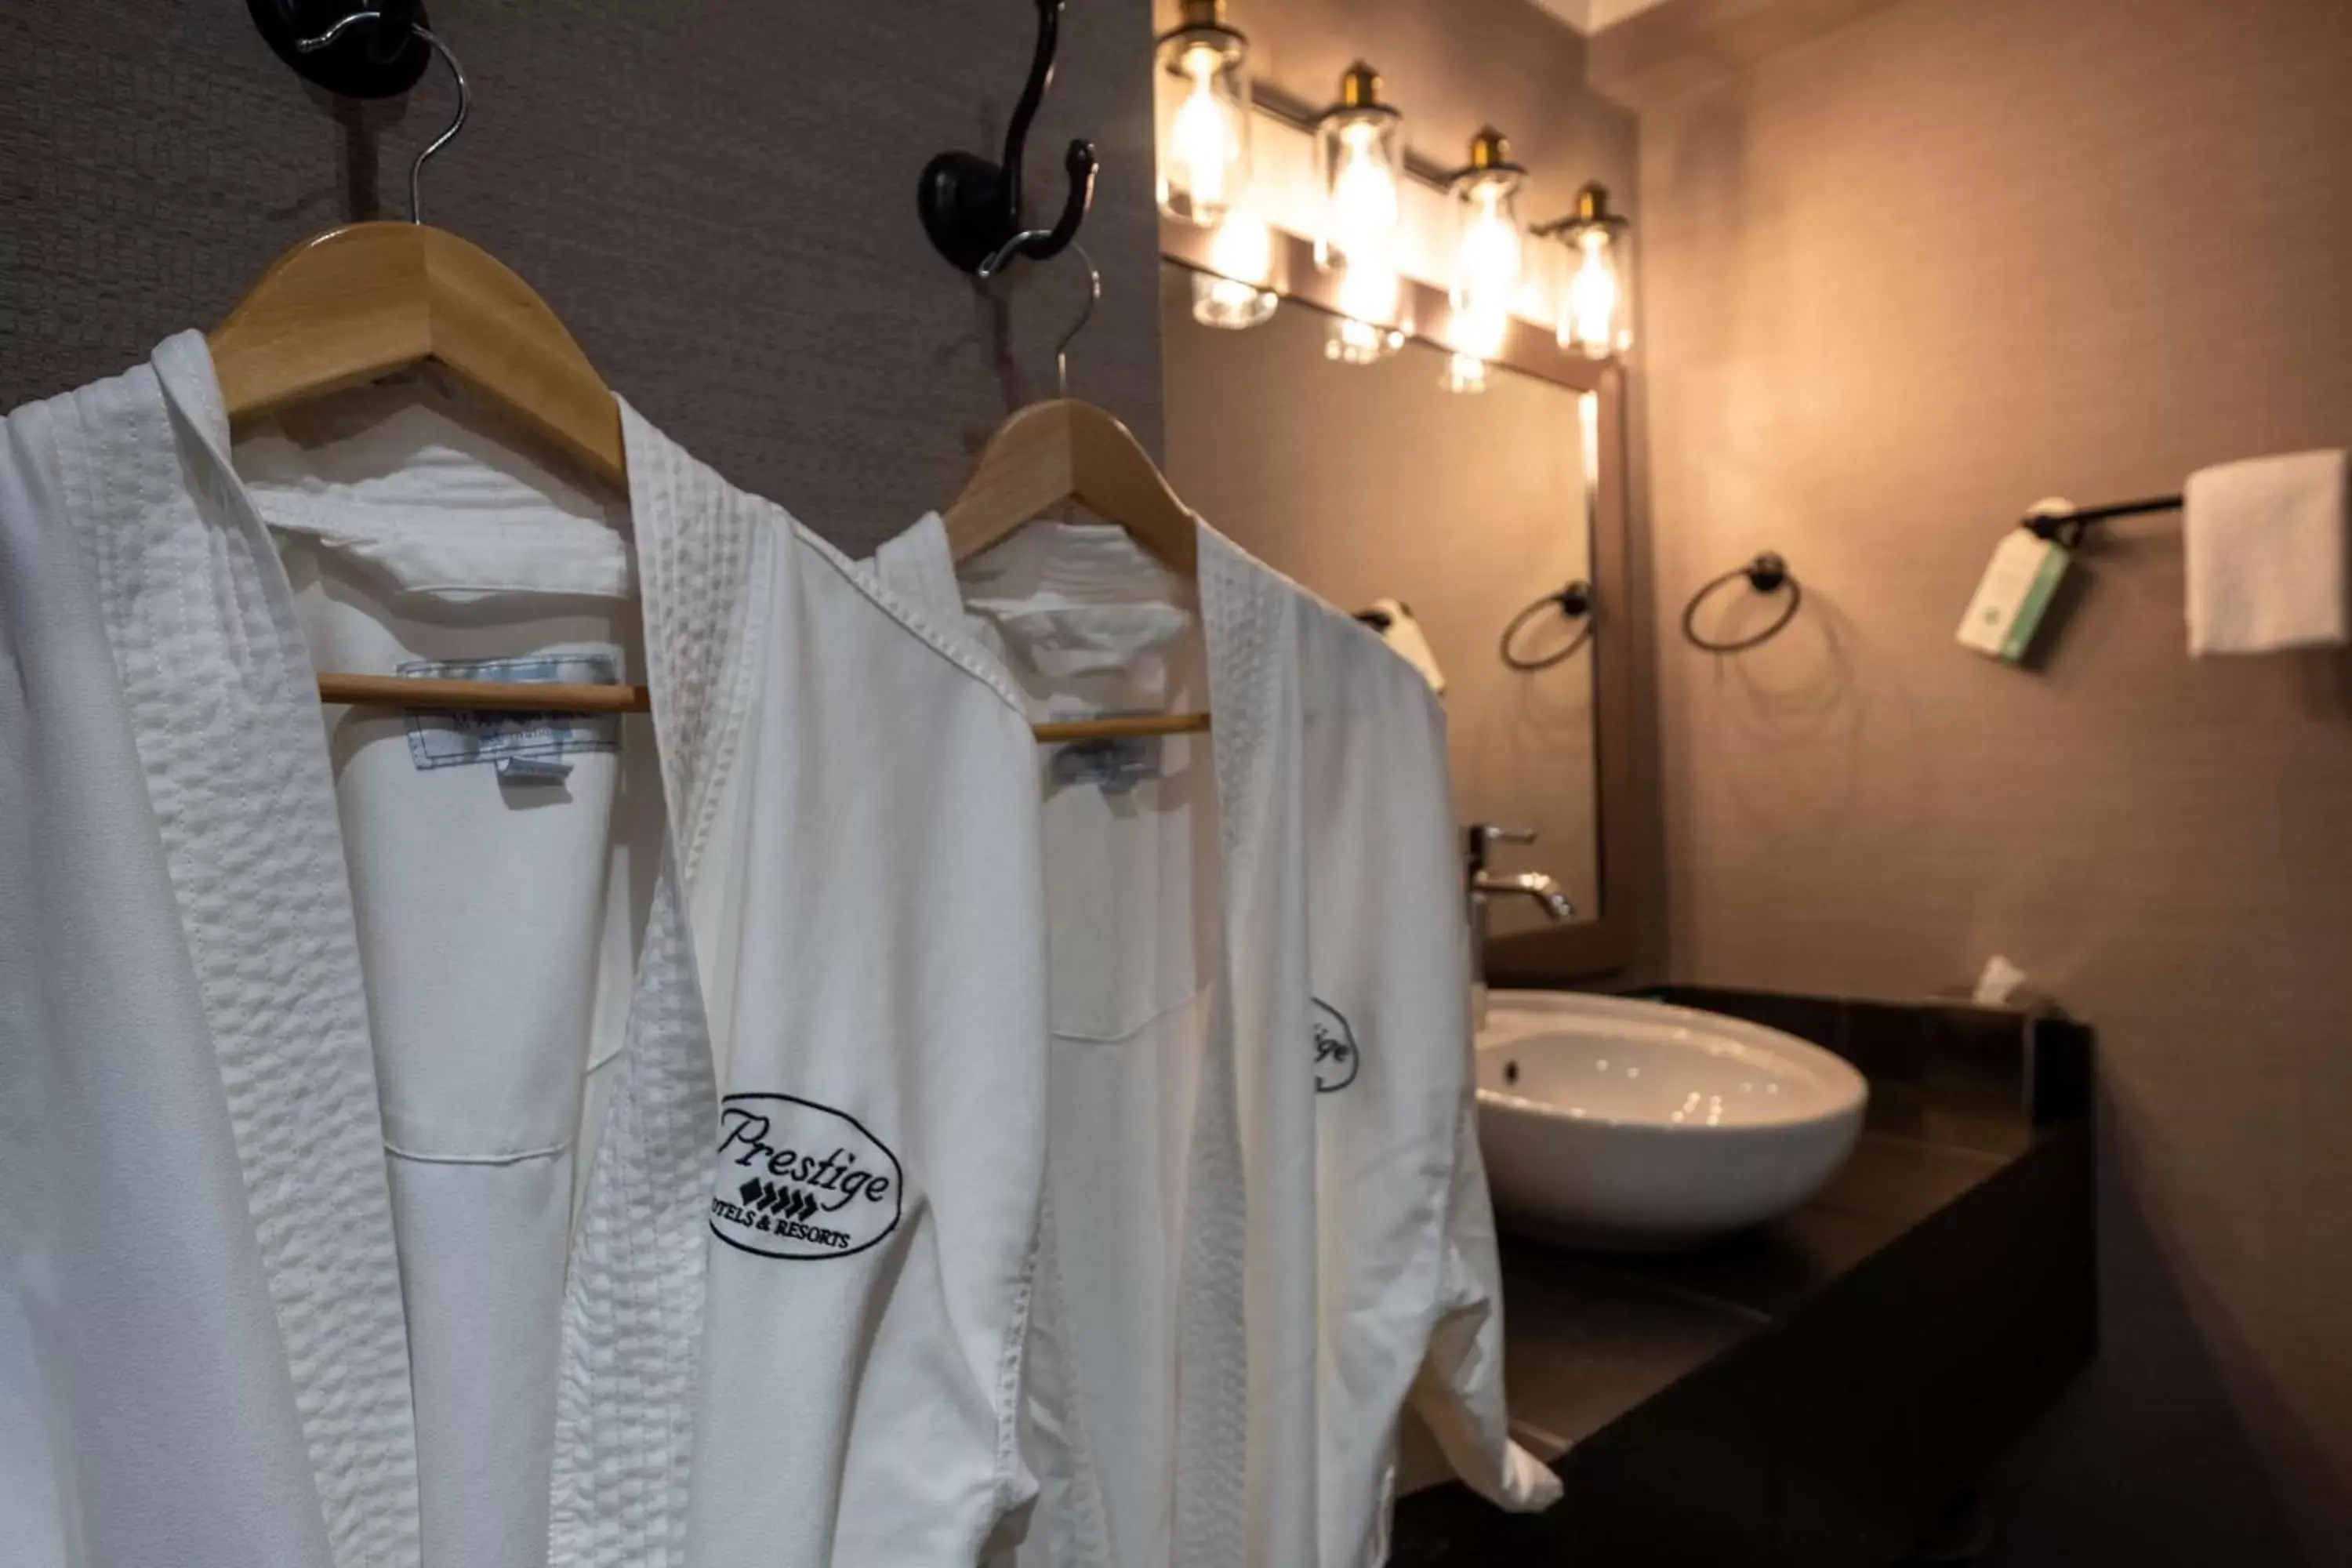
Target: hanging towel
(2266,543)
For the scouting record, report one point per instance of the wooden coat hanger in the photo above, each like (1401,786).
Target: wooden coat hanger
(1061,450)
(360,303)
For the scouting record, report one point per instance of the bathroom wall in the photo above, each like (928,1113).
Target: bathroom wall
(717,199)
(1903,281)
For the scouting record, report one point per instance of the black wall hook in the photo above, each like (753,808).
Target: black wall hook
(971,208)
(378,59)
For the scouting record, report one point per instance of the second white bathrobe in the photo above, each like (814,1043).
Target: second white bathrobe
(1268,1224)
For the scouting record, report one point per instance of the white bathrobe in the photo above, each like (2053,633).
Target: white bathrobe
(363,1077)
(1267,1220)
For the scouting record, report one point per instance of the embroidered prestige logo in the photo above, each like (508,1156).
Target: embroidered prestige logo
(797,1179)
(1336,1057)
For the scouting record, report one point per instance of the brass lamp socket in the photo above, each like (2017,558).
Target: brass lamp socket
(1202,22)
(1490,163)
(1591,211)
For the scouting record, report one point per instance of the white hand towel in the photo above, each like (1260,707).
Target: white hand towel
(2267,546)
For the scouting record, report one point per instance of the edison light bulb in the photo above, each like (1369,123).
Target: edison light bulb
(1204,165)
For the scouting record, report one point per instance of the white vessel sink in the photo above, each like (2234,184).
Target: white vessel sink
(1618,1124)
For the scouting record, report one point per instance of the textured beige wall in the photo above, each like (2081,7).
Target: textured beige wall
(1902,282)
(718,198)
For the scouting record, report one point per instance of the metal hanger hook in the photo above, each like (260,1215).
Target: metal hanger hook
(1005,252)
(464,97)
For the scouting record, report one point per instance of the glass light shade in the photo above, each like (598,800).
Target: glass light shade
(1489,247)
(1204,165)
(1359,164)
(1233,293)
(1596,313)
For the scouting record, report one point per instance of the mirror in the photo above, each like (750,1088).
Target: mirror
(1366,483)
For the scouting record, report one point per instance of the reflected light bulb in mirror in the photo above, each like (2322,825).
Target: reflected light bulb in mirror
(1233,294)
(1477,337)
(1366,328)
(1465,373)
(1360,342)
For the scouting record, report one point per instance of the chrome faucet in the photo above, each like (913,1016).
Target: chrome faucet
(1482,885)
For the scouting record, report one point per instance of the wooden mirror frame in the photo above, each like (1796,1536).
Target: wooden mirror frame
(1609,941)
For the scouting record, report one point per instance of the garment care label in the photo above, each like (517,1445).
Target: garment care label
(1114,763)
(2014,595)
(526,748)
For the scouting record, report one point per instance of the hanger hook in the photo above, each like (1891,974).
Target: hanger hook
(1005,252)
(465,96)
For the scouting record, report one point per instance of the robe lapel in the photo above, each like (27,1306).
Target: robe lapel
(633,1300)
(224,709)
(1247,1325)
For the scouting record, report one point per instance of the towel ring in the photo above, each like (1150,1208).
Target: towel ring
(1575,602)
(1767,574)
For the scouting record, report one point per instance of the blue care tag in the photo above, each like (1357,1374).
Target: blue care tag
(525,747)
(1114,764)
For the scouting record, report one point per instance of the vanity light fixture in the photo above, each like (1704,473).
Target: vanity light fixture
(1205,167)
(1360,165)
(1489,256)
(1595,314)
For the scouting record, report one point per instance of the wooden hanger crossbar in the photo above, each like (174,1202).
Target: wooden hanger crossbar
(424,695)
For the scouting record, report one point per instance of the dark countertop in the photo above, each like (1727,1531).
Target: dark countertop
(1589,1335)
(1814,1392)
